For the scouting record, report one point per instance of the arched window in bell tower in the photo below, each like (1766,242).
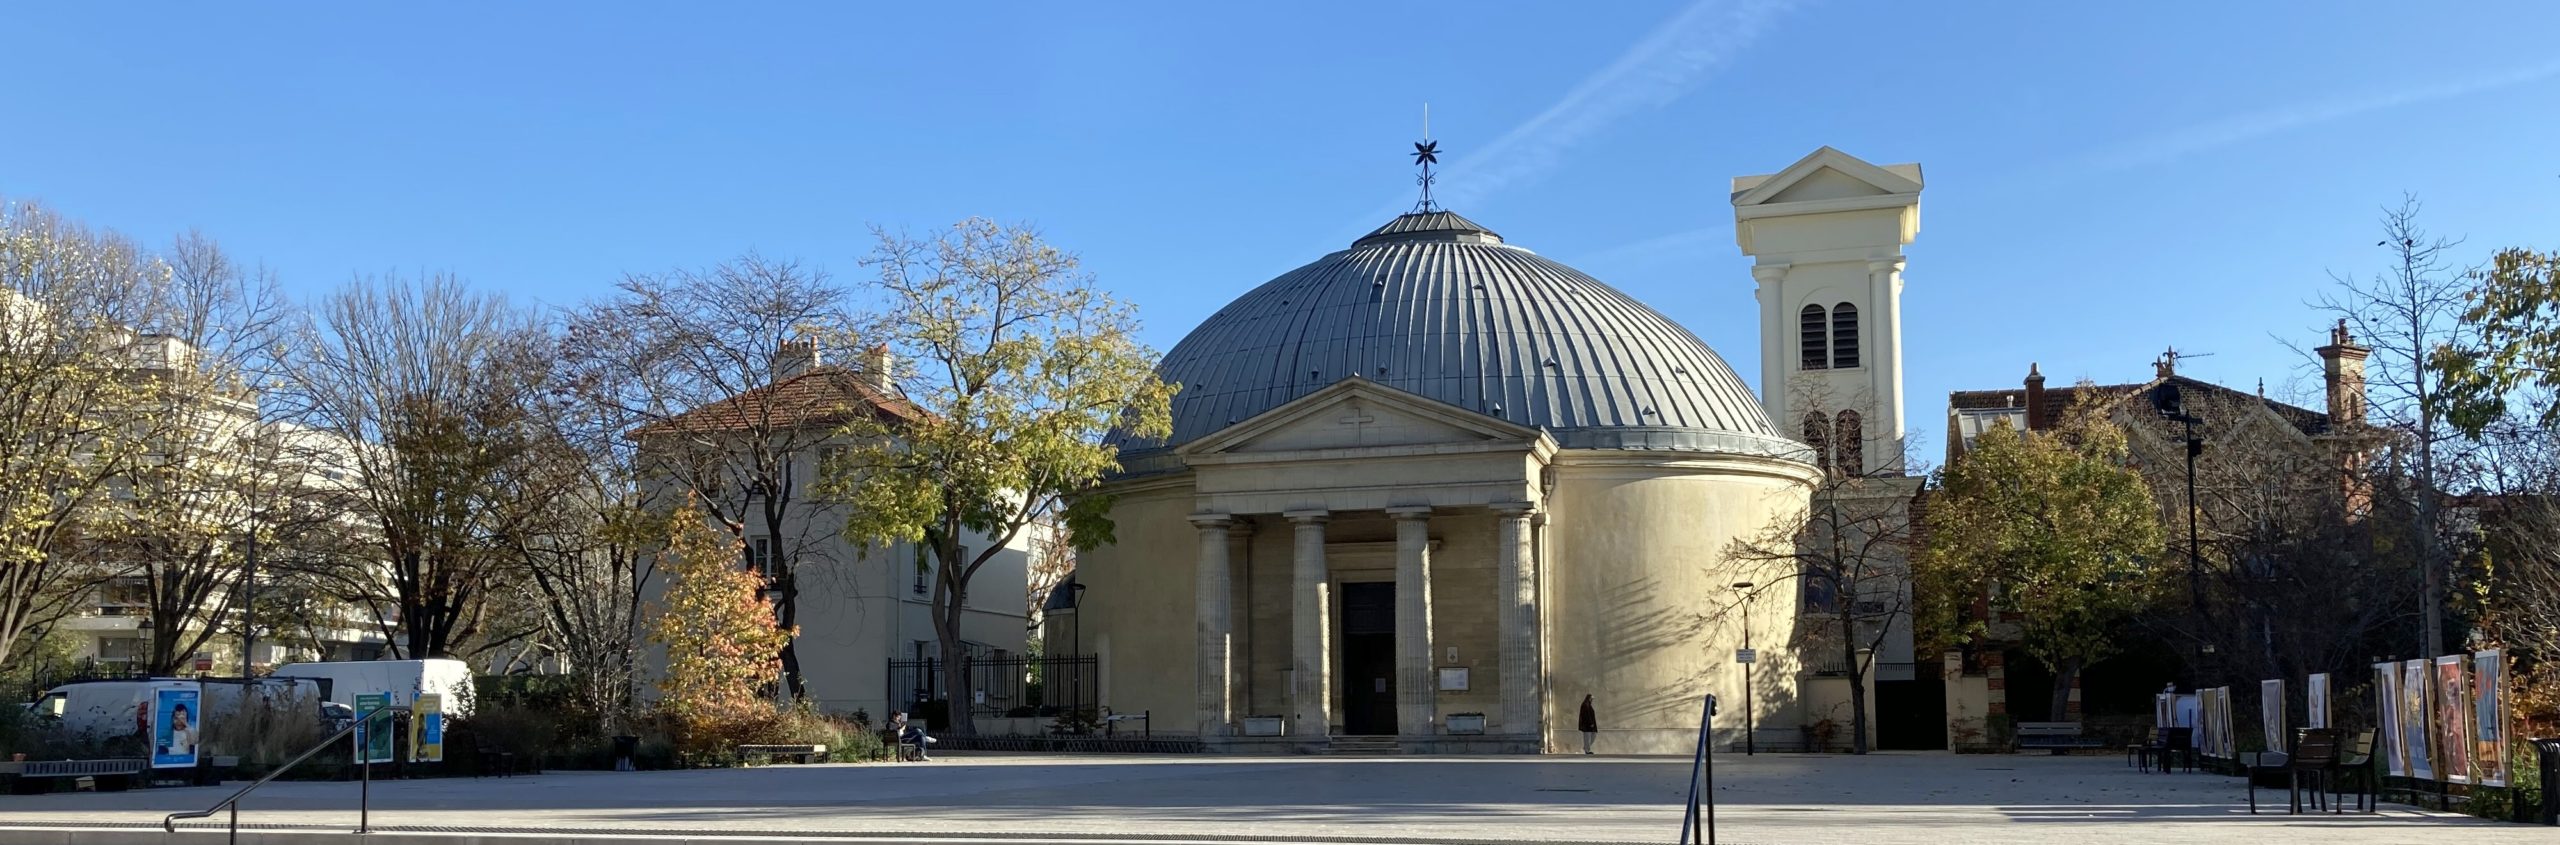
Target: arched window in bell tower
(1844,336)
(1817,434)
(1815,328)
(1852,448)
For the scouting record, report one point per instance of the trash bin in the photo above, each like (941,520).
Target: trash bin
(2548,750)
(625,748)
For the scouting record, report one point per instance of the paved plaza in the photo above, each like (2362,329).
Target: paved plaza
(1885,799)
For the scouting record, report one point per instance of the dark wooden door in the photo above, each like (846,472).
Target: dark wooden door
(1368,671)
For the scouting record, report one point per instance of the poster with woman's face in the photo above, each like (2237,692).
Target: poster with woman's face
(2453,718)
(2413,719)
(174,727)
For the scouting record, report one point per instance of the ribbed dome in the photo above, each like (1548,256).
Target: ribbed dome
(1435,305)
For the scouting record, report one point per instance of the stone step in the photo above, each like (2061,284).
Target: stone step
(1364,745)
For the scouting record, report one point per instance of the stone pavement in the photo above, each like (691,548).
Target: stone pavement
(1883,799)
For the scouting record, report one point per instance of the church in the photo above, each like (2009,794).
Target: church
(1428,492)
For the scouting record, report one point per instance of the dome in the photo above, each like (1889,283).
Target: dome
(1435,305)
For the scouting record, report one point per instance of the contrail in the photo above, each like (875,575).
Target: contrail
(1679,55)
(2258,124)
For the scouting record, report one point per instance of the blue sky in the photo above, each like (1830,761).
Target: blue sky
(2105,180)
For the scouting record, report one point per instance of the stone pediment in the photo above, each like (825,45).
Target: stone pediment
(1827,175)
(1355,414)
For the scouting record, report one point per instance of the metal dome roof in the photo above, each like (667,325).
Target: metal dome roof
(1435,305)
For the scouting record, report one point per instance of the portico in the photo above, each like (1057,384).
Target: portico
(1366,486)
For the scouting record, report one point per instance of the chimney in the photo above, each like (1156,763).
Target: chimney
(2342,368)
(795,356)
(879,367)
(2035,398)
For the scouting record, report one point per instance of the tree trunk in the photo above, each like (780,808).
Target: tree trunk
(1857,678)
(2065,677)
(786,615)
(949,603)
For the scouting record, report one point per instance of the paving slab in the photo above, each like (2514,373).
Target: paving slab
(1881,799)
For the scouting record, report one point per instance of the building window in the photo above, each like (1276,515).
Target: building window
(1821,591)
(760,556)
(1844,336)
(1817,434)
(1852,448)
(1816,336)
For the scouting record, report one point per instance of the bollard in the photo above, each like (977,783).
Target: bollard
(2548,752)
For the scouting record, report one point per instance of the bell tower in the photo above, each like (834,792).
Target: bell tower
(1826,237)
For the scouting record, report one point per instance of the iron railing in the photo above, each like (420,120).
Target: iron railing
(364,795)
(1000,687)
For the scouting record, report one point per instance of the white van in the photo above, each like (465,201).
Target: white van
(97,710)
(404,680)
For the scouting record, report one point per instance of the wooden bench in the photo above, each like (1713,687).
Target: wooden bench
(798,753)
(107,775)
(2060,737)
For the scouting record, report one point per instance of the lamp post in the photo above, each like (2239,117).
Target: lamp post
(1750,744)
(1076,590)
(2172,407)
(249,604)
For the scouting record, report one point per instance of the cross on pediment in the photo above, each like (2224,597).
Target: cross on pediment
(1357,417)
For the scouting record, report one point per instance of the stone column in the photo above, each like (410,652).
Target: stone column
(1883,357)
(1416,685)
(1515,595)
(1310,670)
(1777,340)
(1213,583)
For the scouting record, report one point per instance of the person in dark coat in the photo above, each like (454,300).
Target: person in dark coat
(1590,724)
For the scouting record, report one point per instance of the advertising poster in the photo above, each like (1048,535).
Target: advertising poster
(2164,710)
(426,729)
(373,735)
(2389,742)
(2204,724)
(2317,688)
(175,725)
(2453,718)
(2271,714)
(2413,719)
(2489,715)
(2229,732)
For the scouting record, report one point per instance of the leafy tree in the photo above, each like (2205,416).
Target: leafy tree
(2053,530)
(2515,358)
(722,644)
(1020,367)
(70,417)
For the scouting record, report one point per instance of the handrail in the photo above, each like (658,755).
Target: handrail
(170,824)
(1702,784)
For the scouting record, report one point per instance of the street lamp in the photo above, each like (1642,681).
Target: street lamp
(1076,591)
(2172,407)
(1750,744)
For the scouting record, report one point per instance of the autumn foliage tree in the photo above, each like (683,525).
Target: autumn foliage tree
(2053,530)
(723,647)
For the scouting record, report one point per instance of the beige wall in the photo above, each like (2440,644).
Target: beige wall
(1636,582)
(1635,596)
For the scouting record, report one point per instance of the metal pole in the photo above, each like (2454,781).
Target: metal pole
(1750,743)
(249,603)
(364,793)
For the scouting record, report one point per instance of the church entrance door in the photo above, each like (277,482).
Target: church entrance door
(1369,659)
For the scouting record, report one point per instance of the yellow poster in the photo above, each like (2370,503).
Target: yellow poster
(426,729)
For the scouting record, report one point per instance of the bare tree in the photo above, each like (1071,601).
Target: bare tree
(194,501)
(695,359)
(1053,561)
(1848,552)
(433,383)
(2408,312)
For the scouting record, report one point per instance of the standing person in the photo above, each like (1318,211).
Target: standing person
(1590,724)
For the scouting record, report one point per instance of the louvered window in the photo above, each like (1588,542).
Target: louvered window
(1817,434)
(1844,336)
(1817,343)
(1852,448)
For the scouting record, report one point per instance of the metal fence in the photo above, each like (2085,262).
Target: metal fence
(1000,687)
